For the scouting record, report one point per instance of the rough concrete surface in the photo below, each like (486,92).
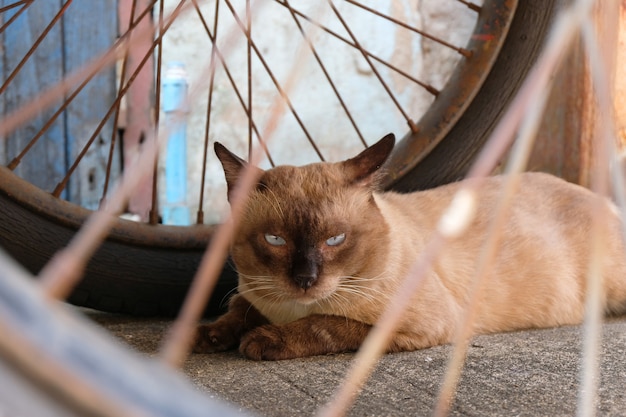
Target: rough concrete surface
(527,373)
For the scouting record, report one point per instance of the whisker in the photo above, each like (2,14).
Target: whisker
(382,276)
(267,277)
(338,301)
(230,263)
(227,296)
(362,288)
(257,289)
(360,295)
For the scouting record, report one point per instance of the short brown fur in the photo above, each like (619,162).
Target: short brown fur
(311,296)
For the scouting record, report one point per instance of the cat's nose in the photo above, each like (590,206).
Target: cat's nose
(305,281)
(305,270)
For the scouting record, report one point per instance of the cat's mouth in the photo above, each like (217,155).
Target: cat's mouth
(313,294)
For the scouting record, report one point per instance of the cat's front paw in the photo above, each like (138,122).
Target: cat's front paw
(214,337)
(266,343)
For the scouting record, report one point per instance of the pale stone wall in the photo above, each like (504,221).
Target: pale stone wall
(281,45)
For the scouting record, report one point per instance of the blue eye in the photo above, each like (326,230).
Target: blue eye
(275,240)
(336,240)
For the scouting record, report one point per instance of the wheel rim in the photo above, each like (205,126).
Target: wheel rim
(489,34)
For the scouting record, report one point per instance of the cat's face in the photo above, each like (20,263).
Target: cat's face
(308,231)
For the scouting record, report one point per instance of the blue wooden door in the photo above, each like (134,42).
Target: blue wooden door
(86,29)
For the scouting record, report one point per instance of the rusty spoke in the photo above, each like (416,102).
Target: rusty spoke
(432,90)
(233,84)
(32,49)
(18,158)
(68,100)
(471,5)
(14,5)
(207,126)
(25,3)
(325,71)
(408,119)
(433,38)
(153,216)
(247,108)
(116,117)
(249,60)
(281,91)
(62,184)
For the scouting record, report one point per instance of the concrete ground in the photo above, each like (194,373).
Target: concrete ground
(528,373)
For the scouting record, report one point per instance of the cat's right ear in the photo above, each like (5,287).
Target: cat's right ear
(232,164)
(364,168)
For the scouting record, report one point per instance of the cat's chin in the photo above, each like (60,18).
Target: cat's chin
(307,300)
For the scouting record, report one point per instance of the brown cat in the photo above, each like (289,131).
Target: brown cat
(320,252)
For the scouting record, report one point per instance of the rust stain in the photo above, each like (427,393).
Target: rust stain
(485,37)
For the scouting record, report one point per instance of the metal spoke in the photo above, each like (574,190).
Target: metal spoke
(409,121)
(323,68)
(207,126)
(440,41)
(471,5)
(68,100)
(61,186)
(233,84)
(30,52)
(116,117)
(276,83)
(432,90)
(14,5)
(249,60)
(26,3)
(153,216)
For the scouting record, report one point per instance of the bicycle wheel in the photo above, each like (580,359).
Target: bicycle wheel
(147,269)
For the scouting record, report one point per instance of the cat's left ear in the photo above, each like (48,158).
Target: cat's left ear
(233,166)
(362,168)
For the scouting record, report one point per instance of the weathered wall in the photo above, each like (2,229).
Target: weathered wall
(280,43)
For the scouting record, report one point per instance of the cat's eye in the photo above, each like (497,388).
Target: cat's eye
(336,240)
(274,240)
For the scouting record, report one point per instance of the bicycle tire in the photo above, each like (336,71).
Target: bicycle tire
(141,272)
(452,156)
(120,276)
